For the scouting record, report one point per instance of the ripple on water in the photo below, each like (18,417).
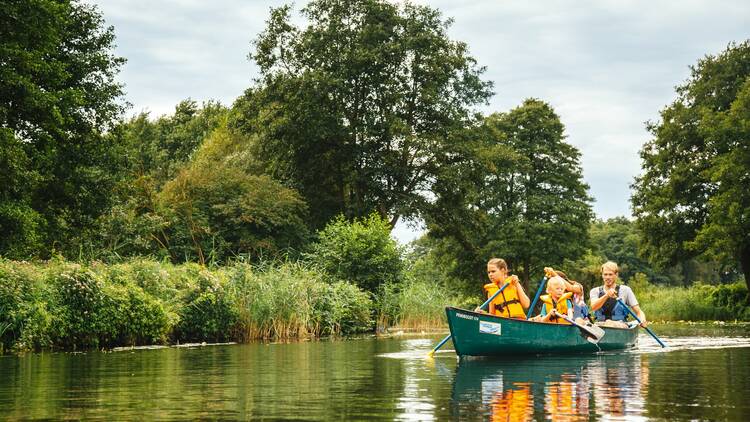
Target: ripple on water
(646,344)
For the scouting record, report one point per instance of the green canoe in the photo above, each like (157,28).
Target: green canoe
(476,334)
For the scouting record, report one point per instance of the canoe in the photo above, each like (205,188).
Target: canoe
(477,334)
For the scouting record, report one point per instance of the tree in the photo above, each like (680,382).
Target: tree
(617,239)
(518,194)
(355,109)
(213,209)
(57,95)
(692,197)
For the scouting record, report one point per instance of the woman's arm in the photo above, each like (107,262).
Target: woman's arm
(525,302)
(573,286)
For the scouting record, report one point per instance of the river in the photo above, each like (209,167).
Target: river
(704,374)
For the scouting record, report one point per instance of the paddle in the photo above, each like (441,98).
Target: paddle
(592,333)
(536,298)
(487,302)
(630,311)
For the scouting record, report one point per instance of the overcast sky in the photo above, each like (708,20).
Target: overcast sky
(606,67)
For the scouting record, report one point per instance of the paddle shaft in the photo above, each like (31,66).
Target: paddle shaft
(487,302)
(536,298)
(630,311)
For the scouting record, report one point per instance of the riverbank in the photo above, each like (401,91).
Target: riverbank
(60,305)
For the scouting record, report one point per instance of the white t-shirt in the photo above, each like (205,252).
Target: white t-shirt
(626,294)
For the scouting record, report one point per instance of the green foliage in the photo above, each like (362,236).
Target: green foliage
(208,312)
(692,196)
(57,95)
(215,208)
(23,314)
(159,148)
(61,305)
(515,192)
(699,302)
(294,301)
(354,109)
(219,208)
(361,252)
(734,298)
(90,311)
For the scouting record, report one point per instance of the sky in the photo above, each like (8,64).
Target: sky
(605,66)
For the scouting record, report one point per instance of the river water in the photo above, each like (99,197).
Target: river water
(704,374)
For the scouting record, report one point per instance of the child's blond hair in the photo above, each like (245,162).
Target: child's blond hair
(556,280)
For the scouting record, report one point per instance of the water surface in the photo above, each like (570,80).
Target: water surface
(703,375)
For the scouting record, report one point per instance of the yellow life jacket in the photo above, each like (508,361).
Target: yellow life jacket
(507,303)
(561,305)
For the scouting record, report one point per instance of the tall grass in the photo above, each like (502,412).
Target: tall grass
(422,304)
(700,302)
(291,300)
(63,305)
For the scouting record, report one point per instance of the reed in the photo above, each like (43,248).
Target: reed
(700,302)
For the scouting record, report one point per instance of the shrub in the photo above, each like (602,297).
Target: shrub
(92,310)
(361,252)
(209,311)
(23,315)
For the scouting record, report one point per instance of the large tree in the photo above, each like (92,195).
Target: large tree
(693,196)
(517,193)
(356,108)
(57,95)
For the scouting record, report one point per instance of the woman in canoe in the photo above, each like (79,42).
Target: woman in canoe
(512,301)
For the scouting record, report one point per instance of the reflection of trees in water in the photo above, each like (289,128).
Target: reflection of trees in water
(561,388)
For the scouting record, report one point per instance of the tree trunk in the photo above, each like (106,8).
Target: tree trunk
(745,264)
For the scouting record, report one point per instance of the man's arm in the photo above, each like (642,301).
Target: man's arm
(631,301)
(597,302)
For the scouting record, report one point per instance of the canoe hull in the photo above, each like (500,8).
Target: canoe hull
(477,334)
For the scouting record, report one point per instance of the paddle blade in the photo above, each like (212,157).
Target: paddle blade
(592,333)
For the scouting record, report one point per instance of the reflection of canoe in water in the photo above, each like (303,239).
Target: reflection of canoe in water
(544,387)
(476,334)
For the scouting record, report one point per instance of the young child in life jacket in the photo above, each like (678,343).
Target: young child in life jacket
(512,301)
(581,312)
(556,302)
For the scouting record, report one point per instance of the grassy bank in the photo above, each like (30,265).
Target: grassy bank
(63,305)
(700,302)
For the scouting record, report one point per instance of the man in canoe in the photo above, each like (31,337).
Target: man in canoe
(604,301)
(512,301)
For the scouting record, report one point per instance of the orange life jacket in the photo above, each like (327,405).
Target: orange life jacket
(561,305)
(507,303)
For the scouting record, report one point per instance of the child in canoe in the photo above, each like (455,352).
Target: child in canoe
(556,302)
(512,301)
(580,310)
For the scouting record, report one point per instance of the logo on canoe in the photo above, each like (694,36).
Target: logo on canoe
(487,327)
(464,316)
